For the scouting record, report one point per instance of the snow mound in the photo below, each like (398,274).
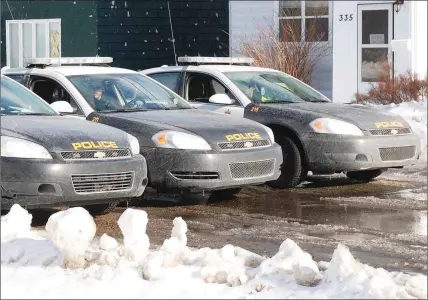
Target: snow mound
(15,224)
(415,113)
(33,268)
(133,224)
(72,231)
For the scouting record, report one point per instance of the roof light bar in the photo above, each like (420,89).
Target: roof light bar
(216,60)
(68,60)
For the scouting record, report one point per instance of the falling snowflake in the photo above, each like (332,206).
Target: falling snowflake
(216,14)
(189,45)
(220,47)
(74,2)
(126,4)
(128,31)
(158,49)
(90,16)
(144,53)
(126,44)
(145,41)
(187,4)
(128,13)
(147,13)
(157,30)
(196,24)
(217,38)
(112,3)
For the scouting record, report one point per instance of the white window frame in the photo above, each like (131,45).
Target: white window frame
(33,23)
(303,18)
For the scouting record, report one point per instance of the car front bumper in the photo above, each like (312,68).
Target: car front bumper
(328,153)
(172,170)
(38,183)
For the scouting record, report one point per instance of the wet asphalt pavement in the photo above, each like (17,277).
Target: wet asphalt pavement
(384,222)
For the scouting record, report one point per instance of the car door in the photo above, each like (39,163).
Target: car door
(51,91)
(199,87)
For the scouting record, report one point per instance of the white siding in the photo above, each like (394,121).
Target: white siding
(245,19)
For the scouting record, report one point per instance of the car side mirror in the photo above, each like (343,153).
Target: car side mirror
(221,99)
(63,107)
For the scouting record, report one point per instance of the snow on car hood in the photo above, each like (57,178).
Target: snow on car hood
(363,117)
(211,126)
(59,133)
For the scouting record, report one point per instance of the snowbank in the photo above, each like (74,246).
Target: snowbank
(415,113)
(33,267)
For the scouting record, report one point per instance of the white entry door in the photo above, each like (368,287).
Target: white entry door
(374,39)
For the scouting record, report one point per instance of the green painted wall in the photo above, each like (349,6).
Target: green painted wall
(78,22)
(136,33)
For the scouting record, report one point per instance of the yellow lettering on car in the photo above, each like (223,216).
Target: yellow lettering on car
(389,124)
(94,145)
(243,136)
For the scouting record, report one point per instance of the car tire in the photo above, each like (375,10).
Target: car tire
(292,169)
(366,175)
(100,209)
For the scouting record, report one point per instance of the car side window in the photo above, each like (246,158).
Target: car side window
(51,91)
(201,87)
(170,79)
(18,78)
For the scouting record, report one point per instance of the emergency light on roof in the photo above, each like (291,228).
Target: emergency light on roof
(216,60)
(68,60)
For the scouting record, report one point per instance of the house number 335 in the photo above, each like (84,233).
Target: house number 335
(344,18)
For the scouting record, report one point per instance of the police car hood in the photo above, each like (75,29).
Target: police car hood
(57,133)
(364,117)
(213,127)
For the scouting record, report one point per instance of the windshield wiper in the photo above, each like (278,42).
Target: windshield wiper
(124,110)
(34,114)
(318,101)
(278,101)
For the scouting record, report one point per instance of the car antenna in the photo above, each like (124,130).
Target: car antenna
(172,33)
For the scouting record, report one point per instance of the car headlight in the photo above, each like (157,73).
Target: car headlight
(135,145)
(180,140)
(270,133)
(15,147)
(333,126)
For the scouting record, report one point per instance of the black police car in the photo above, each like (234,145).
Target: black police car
(50,160)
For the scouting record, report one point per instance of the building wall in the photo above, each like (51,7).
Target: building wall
(247,17)
(409,26)
(78,18)
(137,34)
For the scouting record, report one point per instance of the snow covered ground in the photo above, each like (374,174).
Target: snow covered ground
(70,263)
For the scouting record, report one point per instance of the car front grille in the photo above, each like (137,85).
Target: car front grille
(397,153)
(393,131)
(227,146)
(195,175)
(97,183)
(253,169)
(95,154)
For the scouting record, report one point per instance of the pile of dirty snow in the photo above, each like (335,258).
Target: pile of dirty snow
(71,263)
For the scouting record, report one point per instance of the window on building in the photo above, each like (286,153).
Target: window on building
(305,20)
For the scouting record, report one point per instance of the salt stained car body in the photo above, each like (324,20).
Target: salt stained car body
(50,160)
(188,151)
(314,133)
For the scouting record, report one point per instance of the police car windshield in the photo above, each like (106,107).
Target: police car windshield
(274,87)
(16,100)
(125,93)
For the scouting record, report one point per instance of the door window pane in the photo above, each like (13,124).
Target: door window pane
(290,8)
(54,39)
(290,30)
(27,40)
(316,8)
(375,27)
(167,79)
(14,45)
(316,29)
(40,40)
(372,63)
